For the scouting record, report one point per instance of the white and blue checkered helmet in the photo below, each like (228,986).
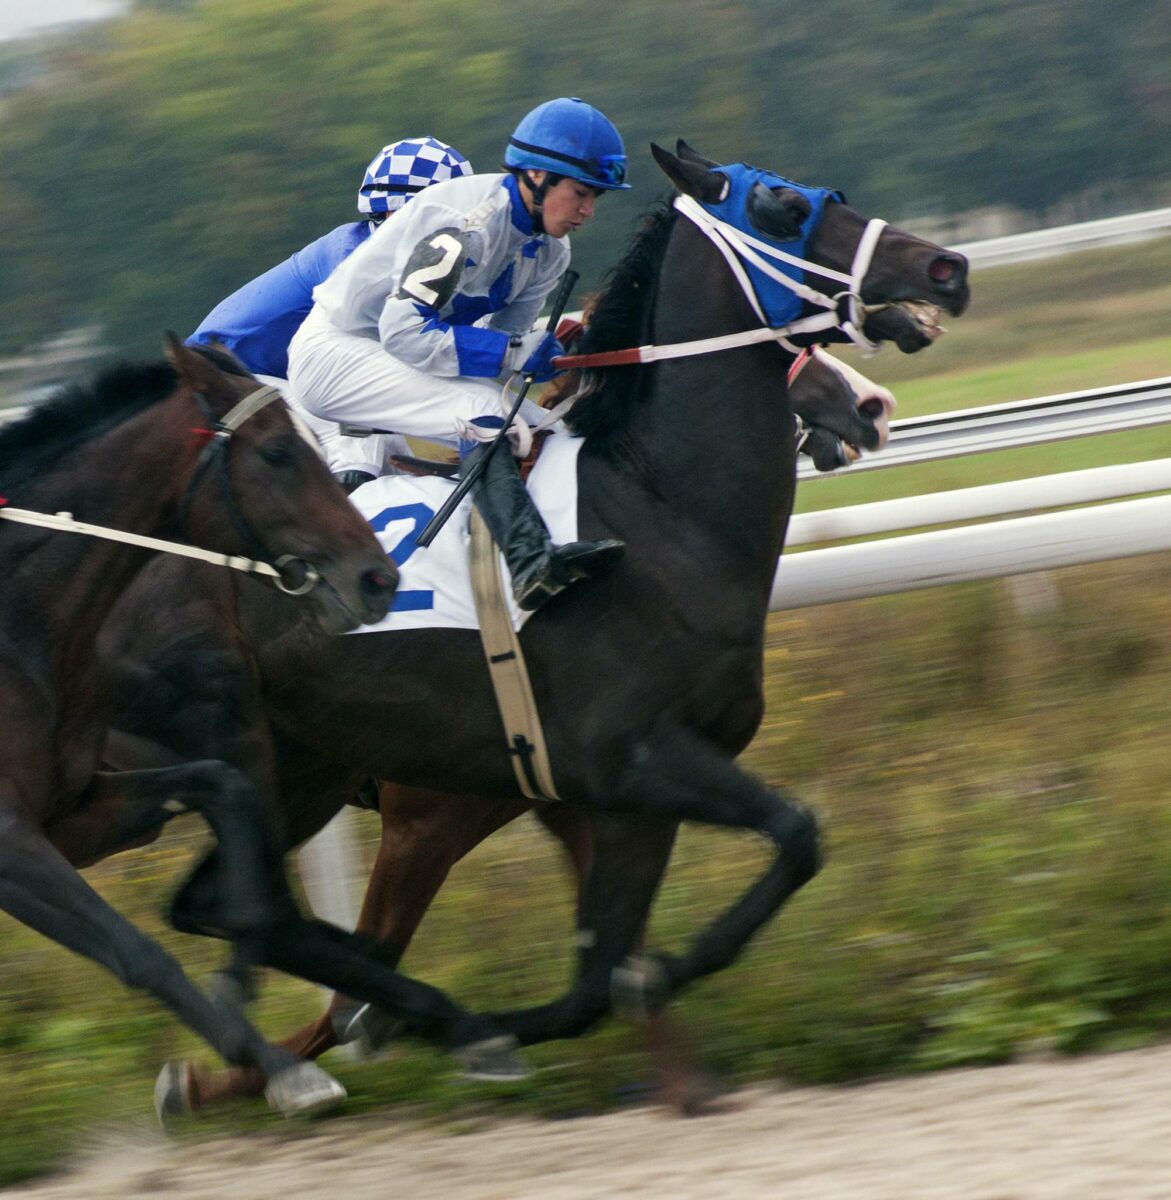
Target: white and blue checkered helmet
(403,168)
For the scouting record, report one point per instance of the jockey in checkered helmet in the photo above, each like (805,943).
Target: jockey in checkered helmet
(258,320)
(400,170)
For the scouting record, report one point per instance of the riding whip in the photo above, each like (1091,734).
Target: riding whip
(468,481)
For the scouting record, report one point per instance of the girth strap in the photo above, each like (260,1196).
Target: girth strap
(506,665)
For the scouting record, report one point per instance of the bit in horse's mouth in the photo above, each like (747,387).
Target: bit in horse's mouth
(925,315)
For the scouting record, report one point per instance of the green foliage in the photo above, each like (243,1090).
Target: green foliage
(153,168)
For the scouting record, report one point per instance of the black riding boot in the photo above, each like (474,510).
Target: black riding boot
(539,569)
(353,479)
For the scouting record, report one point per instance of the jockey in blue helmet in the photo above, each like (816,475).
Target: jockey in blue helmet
(258,321)
(562,139)
(418,329)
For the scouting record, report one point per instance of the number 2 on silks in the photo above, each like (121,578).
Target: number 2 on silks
(411,600)
(436,260)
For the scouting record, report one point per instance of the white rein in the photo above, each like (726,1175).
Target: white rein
(66,523)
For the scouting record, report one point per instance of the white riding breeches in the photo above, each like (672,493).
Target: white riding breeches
(344,453)
(346,379)
(341,452)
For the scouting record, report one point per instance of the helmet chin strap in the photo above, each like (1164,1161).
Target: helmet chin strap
(537,192)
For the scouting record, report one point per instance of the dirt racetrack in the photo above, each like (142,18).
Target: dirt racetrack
(1098,1128)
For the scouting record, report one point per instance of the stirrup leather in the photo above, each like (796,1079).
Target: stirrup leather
(506,665)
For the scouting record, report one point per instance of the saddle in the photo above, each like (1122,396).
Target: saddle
(448,467)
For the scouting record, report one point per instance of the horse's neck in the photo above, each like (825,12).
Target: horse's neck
(123,479)
(718,428)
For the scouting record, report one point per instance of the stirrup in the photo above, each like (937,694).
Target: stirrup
(555,570)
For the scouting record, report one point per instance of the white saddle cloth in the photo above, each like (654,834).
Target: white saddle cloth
(435,589)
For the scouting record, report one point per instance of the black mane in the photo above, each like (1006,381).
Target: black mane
(75,414)
(83,410)
(619,321)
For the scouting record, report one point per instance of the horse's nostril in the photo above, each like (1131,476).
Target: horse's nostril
(871,408)
(377,583)
(947,270)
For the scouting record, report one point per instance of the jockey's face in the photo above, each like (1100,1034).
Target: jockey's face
(568,205)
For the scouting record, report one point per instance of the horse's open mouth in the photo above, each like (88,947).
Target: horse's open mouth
(910,324)
(924,315)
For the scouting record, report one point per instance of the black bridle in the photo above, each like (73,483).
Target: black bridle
(295,576)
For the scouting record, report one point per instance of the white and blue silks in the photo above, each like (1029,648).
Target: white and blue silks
(411,332)
(435,588)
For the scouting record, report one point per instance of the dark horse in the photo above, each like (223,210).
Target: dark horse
(425,833)
(146,450)
(179,447)
(648,681)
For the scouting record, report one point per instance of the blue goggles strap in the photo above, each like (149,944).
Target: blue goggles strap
(610,167)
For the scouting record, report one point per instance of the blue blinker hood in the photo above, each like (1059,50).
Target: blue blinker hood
(780,305)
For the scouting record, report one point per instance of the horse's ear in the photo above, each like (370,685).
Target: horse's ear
(779,212)
(692,178)
(193,368)
(688,154)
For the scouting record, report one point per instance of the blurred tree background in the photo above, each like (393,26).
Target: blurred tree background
(158,161)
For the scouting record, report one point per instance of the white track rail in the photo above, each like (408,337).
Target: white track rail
(1025,423)
(987,551)
(1045,243)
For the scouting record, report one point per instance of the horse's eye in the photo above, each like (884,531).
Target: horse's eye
(276,456)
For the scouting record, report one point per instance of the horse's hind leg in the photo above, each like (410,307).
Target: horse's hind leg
(40,888)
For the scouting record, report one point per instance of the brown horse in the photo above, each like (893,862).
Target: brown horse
(144,450)
(649,680)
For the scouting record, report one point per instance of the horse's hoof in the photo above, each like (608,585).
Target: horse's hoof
(368,1028)
(303,1090)
(639,988)
(173,1092)
(494,1060)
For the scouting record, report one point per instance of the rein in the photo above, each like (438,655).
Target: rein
(220,435)
(734,244)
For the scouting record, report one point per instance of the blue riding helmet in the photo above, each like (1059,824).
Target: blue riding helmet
(570,137)
(780,305)
(403,168)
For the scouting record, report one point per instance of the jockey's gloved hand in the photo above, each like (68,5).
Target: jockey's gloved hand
(533,354)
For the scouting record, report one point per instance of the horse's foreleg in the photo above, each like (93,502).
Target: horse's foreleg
(628,860)
(424,834)
(40,888)
(681,1084)
(680,777)
(677,777)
